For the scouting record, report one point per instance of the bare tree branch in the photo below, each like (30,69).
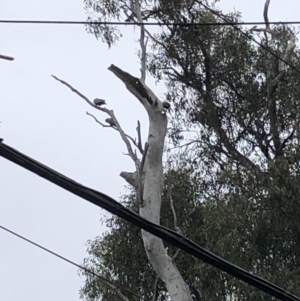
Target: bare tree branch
(267,29)
(136,8)
(104,125)
(266,9)
(5,57)
(136,144)
(131,153)
(177,229)
(77,92)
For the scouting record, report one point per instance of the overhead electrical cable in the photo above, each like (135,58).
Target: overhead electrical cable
(72,262)
(132,23)
(182,24)
(114,207)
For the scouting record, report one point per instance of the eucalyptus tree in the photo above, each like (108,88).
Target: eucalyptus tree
(233,111)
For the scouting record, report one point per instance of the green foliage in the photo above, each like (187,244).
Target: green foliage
(119,254)
(104,11)
(235,169)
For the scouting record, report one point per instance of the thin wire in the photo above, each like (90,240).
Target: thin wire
(146,23)
(234,24)
(250,37)
(72,262)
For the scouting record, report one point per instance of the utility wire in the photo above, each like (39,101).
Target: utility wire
(58,22)
(181,24)
(102,200)
(248,36)
(72,262)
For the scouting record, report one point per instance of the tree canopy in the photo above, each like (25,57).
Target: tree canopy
(233,170)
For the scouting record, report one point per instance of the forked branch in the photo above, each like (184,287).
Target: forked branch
(113,120)
(137,144)
(267,29)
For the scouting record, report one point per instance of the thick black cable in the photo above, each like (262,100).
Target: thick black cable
(60,22)
(248,36)
(114,207)
(72,262)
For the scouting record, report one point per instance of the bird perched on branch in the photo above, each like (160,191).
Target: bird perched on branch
(166,105)
(111,122)
(99,102)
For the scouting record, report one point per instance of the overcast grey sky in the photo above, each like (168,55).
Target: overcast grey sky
(46,121)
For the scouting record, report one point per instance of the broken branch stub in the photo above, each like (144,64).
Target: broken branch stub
(135,86)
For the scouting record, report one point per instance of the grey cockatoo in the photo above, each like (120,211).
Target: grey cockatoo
(166,105)
(111,122)
(99,102)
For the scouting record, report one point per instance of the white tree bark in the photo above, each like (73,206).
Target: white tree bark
(153,185)
(147,179)
(157,254)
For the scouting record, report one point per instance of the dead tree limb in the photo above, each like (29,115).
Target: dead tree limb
(152,191)
(113,118)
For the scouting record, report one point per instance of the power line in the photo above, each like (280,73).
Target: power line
(250,37)
(102,200)
(181,24)
(58,22)
(72,262)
